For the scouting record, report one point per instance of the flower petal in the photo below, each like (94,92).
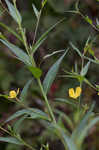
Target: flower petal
(12,94)
(71,93)
(78,91)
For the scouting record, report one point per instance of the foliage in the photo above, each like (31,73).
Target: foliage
(72,128)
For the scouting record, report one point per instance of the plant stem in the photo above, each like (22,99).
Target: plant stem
(85,20)
(46,101)
(24,38)
(37,26)
(27,145)
(5,130)
(22,30)
(24,143)
(80,98)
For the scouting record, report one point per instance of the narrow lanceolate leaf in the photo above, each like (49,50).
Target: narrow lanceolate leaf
(21,55)
(37,72)
(17,125)
(18,114)
(14,12)
(11,140)
(97,21)
(87,82)
(32,112)
(85,69)
(11,31)
(55,52)
(43,37)
(43,3)
(91,60)
(24,91)
(66,118)
(67,101)
(52,74)
(82,124)
(38,114)
(35,11)
(76,49)
(68,142)
(88,20)
(86,130)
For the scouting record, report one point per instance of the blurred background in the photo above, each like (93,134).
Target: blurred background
(14,74)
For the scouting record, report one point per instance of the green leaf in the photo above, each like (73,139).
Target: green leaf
(86,130)
(68,142)
(32,112)
(35,11)
(43,37)
(11,31)
(52,74)
(66,101)
(10,140)
(2,36)
(21,55)
(14,12)
(88,40)
(76,5)
(97,86)
(19,113)
(85,69)
(38,114)
(24,91)
(53,53)
(82,124)
(43,3)
(37,72)
(87,82)
(17,124)
(97,22)
(91,52)
(66,117)
(76,49)
(88,20)
(91,60)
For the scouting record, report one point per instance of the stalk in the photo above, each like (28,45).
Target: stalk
(46,101)
(24,143)
(37,25)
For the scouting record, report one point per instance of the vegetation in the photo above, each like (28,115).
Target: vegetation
(49,101)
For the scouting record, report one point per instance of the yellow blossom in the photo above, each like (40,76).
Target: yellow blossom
(13,94)
(98,93)
(75,94)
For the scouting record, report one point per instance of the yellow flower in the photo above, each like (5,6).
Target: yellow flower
(98,93)
(76,93)
(13,94)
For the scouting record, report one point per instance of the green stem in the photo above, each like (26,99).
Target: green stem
(5,130)
(46,101)
(60,135)
(27,145)
(85,20)
(22,31)
(25,44)
(37,27)
(24,143)
(24,38)
(80,98)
